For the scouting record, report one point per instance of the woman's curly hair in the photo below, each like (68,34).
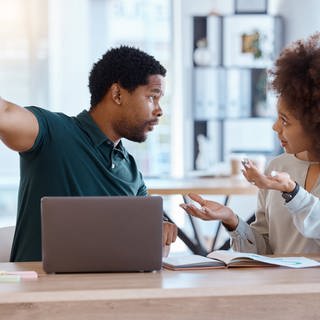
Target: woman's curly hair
(128,66)
(296,79)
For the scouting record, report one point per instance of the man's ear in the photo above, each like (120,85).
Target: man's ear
(115,93)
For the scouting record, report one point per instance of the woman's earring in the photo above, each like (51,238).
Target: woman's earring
(117,99)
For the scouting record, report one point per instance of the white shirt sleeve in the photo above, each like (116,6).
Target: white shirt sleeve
(305,209)
(253,238)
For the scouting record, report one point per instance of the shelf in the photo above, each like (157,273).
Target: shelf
(230,88)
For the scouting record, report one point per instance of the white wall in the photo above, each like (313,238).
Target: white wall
(301,18)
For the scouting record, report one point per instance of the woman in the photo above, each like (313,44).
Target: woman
(288,214)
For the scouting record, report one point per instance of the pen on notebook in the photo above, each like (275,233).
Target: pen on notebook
(21,274)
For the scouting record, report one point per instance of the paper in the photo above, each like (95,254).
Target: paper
(292,262)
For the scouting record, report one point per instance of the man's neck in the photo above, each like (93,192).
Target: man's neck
(102,118)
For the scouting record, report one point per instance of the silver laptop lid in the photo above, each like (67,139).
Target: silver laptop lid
(101,234)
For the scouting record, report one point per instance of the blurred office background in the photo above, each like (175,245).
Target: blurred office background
(47,48)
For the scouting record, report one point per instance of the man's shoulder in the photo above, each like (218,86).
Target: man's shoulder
(48,118)
(46,113)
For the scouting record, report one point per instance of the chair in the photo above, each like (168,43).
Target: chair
(6,238)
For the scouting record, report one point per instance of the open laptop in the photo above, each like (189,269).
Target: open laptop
(101,234)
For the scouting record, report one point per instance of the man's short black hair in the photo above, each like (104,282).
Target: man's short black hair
(127,66)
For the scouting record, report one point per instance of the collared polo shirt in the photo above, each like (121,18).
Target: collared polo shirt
(70,157)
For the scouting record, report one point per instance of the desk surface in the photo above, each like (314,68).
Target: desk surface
(238,293)
(218,186)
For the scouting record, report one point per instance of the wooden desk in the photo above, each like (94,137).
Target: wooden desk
(244,293)
(214,186)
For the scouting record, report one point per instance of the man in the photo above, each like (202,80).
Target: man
(83,155)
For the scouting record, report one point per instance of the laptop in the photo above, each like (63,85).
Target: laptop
(101,234)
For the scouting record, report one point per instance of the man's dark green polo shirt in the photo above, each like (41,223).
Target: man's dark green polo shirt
(71,157)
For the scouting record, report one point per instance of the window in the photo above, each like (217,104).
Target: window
(146,25)
(23,79)
(47,50)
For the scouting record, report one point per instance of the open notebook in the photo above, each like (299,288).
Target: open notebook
(223,259)
(101,234)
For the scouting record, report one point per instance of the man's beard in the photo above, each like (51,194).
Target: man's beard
(134,133)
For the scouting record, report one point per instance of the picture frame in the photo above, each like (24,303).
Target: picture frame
(250,41)
(250,6)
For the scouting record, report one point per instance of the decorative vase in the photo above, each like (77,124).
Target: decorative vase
(202,54)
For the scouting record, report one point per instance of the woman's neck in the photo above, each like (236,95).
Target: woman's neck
(307,156)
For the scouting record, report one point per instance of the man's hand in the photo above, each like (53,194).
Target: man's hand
(170,232)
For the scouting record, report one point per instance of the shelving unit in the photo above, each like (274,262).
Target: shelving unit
(232,109)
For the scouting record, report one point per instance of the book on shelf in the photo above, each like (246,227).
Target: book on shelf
(227,259)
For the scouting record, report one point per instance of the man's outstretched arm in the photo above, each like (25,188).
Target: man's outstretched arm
(18,126)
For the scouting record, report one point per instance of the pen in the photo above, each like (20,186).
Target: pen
(9,278)
(21,274)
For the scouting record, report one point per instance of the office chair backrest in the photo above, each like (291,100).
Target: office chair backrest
(6,237)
